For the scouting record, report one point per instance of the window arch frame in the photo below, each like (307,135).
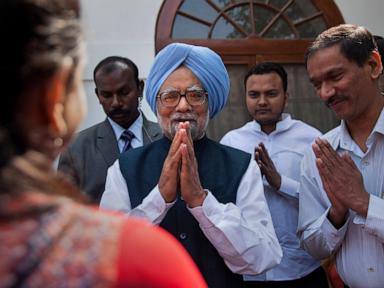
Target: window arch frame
(248,50)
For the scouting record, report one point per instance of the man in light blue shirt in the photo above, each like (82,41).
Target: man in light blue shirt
(278,144)
(342,183)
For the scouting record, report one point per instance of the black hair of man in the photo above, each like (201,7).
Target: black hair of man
(266,68)
(356,42)
(380,47)
(110,64)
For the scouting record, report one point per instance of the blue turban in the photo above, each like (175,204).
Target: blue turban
(202,61)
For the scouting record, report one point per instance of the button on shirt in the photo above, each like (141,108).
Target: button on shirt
(359,244)
(286,146)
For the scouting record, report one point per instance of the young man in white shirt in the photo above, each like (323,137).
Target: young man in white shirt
(277,143)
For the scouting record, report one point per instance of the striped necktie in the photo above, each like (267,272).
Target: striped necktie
(127,136)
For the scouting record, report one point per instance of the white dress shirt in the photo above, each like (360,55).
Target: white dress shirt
(242,234)
(135,128)
(286,146)
(359,244)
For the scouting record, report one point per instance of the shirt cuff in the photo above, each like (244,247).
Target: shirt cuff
(375,215)
(289,186)
(334,235)
(210,207)
(155,205)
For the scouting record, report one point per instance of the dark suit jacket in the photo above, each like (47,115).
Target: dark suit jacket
(88,158)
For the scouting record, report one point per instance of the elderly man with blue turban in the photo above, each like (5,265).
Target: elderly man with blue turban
(209,196)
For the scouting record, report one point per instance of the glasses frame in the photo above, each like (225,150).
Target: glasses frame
(202,91)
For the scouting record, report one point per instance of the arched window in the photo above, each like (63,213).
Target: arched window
(245,32)
(239,20)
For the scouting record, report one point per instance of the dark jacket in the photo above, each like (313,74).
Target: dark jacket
(94,150)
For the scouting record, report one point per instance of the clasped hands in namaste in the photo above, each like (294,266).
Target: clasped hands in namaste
(180,169)
(342,181)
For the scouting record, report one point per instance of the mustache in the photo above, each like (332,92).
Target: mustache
(118,111)
(262,110)
(183,117)
(333,99)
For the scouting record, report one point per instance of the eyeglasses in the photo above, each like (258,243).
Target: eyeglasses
(172,98)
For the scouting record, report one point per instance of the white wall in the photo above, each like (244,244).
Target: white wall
(127,28)
(117,27)
(368,13)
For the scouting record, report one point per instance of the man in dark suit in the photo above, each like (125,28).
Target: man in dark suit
(119,91)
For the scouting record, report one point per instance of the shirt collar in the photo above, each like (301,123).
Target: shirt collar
(135,128)
(345,140)
(379,127)
(284,124)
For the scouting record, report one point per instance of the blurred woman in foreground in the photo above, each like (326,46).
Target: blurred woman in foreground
(47,239)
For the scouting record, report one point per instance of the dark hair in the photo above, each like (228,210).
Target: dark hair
(266,68)
(108,65)
(38,34)
(380,47)
(356,42)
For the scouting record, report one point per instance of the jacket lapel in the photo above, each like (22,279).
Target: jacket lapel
(106,142)
(151,132)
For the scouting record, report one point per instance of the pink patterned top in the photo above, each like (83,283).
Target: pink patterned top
(71,245)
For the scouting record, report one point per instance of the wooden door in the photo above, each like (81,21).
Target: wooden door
(235,112)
